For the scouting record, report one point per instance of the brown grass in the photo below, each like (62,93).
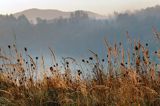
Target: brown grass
(24,80)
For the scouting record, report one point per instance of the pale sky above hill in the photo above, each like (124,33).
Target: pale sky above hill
(104,7)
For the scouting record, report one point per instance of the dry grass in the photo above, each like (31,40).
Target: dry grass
(24,80)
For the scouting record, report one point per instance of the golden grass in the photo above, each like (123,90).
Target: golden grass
(24,80)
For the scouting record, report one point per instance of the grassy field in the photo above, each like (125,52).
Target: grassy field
(124,78)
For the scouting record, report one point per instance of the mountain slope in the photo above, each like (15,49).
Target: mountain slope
(50,14)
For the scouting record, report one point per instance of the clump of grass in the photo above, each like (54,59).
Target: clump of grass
(123,77)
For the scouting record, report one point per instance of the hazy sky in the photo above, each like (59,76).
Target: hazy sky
(98,6)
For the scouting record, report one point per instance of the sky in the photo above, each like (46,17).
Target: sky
(104,7)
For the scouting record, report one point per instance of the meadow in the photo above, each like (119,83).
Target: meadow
(125,77)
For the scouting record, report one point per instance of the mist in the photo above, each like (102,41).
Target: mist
(73,36)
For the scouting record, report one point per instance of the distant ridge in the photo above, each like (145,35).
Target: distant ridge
(50,14)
